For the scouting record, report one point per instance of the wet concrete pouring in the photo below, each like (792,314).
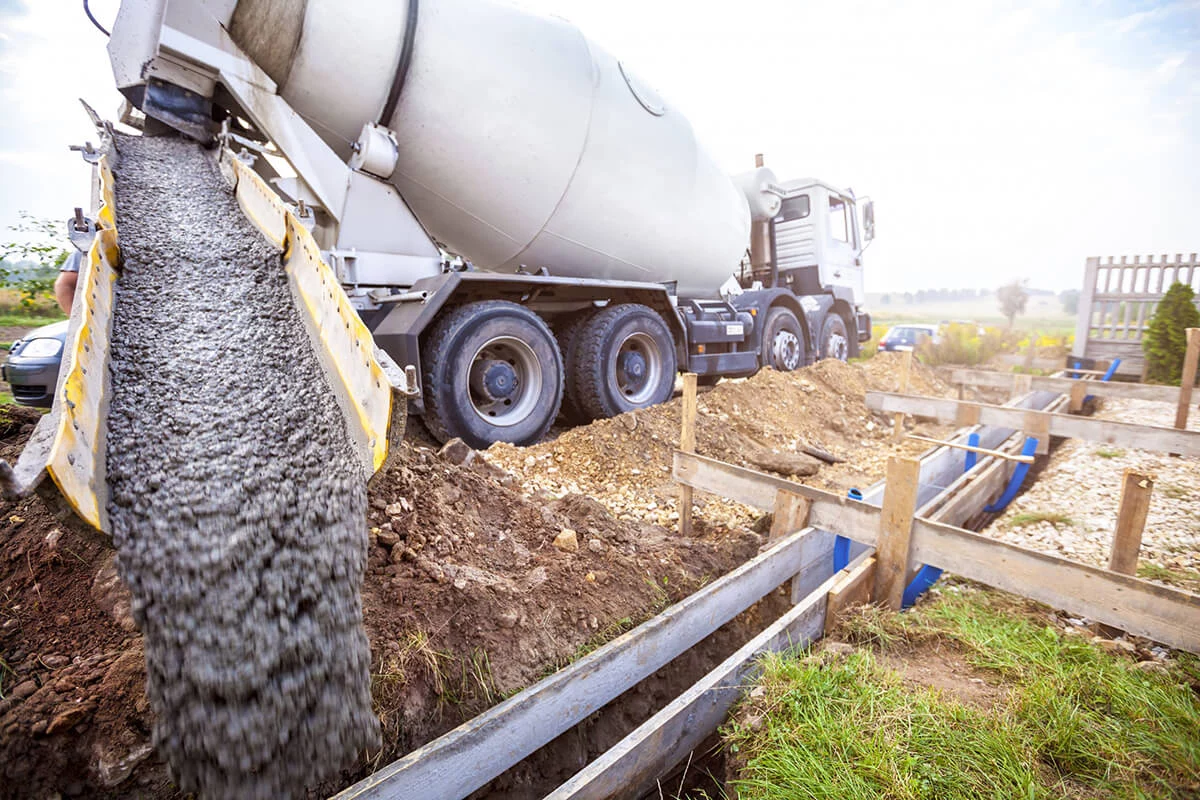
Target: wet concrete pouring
(237,504)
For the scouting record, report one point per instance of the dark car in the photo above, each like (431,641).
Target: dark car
(33,363)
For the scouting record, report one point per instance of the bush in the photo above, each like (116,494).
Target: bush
(963,345)
(1165,342)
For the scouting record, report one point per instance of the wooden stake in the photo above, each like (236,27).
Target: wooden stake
(687,443)
(905,374)
(1136,489)
(1078,394)
(790,514)
(895,530)
(1037,425)
(1189,378)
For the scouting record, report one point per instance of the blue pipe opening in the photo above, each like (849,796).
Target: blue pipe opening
(841,545)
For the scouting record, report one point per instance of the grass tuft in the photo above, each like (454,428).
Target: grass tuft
(1108,452)
(1034,517)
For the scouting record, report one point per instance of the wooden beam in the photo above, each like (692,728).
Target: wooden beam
(1113,389)
(1136,489)
(829,512)
(687,443)
(789,514)
(895,530)
(1170,616)
(1124,434)
(458,763)
(1190,359)
(853,588)
(972,449)
(631,766)
(905,374)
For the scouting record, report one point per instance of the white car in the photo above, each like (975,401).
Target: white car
(907,337)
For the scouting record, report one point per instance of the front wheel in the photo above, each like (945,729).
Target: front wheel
(623,359)
(835,343)
(493,373)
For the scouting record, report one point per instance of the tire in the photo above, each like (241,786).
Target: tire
(624,359)
(493,373)
(835,342)
(568,341)
(783,340)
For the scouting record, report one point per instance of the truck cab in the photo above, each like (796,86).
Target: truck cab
(816,241)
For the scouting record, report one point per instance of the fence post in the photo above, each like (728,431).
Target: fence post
(1189,377)
(905,374)
(1136,489)
(789,515)
(895,530)
(687,443)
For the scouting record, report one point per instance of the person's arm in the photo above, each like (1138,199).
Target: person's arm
(64,290)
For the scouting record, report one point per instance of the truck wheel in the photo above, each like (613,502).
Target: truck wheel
(624,359)
(783,341)
(493,373)
(834,341)
(568,342)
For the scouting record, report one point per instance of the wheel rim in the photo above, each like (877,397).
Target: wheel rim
(505,381)
(785,349)
(639,368)
(839,346)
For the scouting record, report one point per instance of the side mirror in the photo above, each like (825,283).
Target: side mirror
(869,220)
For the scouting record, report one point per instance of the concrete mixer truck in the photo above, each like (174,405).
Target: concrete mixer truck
(511,209)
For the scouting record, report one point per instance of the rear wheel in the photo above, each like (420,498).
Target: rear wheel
(493,373)
(835,343)
(783,340)
(624,359)
(568,342)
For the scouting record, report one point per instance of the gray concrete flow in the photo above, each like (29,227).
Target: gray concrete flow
(237,505)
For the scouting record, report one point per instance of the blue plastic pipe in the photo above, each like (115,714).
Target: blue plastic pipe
(841,545)
(1018,477)
(969,461)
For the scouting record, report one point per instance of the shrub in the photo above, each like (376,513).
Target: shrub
(1165,342)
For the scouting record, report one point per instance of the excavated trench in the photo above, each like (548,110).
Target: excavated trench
(237,504)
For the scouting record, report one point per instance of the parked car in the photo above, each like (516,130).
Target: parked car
(907,337)
(33,363)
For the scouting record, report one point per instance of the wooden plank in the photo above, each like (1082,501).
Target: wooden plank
(1021,384)
(905,375)
(789,514)
(852,589)
(972,449)
(1136,489)
(458,763)
(830,512)
(687,443)
(895,530)
(1190,359)
(631,766)
(1123,434)
(1142,608)
(1113,389)
(1145,609)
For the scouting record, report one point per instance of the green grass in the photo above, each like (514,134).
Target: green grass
(1187,578)
(1071,721)
(1109,452)
(1034,517)
(15,319)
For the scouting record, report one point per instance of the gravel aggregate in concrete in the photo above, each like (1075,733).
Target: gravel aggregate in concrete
(237,504)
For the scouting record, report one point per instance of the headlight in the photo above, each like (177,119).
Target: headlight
(41,348)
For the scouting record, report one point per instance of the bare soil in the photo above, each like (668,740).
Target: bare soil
(466,598)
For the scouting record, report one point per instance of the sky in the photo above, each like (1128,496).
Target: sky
(999,140)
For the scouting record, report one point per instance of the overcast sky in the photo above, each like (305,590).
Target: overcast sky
(999,140)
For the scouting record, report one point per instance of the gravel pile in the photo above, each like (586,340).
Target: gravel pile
(1072,508)
(237,504)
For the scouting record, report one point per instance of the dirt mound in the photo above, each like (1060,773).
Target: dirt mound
(625,462)
(466,599)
